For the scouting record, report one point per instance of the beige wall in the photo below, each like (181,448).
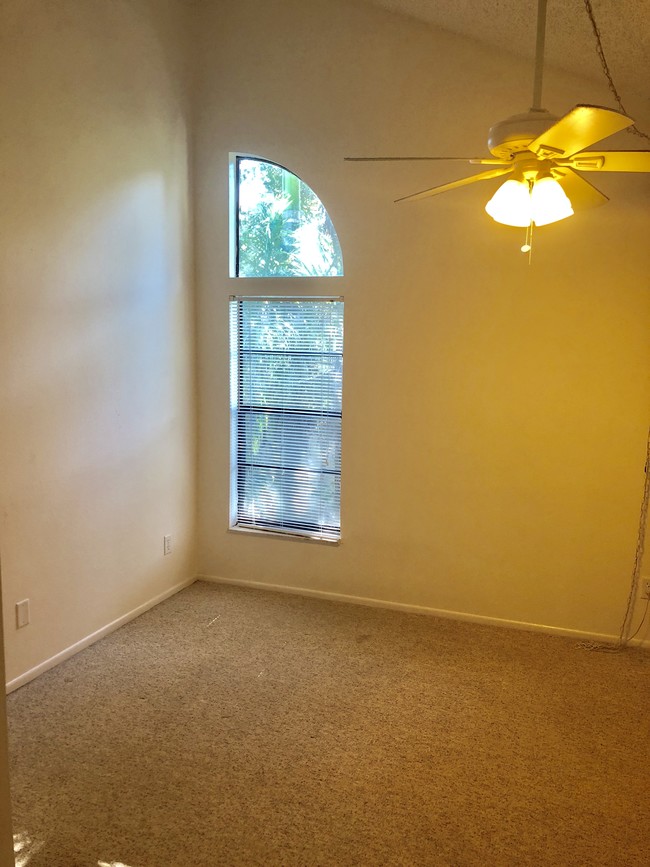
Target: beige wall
(97,438)
(495,413)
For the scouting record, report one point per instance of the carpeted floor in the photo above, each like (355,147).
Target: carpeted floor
(239,727)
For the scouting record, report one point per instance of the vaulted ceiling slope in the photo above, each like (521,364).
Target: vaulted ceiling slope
(570,45)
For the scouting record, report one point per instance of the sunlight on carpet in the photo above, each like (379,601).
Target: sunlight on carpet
(25,847)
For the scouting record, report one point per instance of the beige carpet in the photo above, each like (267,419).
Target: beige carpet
(237,727)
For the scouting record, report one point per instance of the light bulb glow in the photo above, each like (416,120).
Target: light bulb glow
(549,202)
(515,204)
(511,204)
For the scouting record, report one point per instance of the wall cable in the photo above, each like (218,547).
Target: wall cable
(624,636)
(638,629)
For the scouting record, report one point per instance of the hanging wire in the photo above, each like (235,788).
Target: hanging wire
(624,636)
(645,614)
(633,130)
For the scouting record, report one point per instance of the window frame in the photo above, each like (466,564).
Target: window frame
(233,222)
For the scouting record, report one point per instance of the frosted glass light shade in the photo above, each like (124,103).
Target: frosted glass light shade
(549,202)
(514,204)
(511,204)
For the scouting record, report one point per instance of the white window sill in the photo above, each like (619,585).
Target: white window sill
(276,534)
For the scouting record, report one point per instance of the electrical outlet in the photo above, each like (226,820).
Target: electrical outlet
(167,544)
(645,588)
(22,613)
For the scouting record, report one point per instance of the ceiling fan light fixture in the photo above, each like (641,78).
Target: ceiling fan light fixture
(511,204)
(518,203)
(536,148)
(549,203)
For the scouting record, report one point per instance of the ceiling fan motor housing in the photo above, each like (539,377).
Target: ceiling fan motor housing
(514,134)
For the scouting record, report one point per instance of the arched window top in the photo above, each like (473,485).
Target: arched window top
(280,226)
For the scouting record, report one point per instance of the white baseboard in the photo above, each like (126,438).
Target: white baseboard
(421,609)
(22,679)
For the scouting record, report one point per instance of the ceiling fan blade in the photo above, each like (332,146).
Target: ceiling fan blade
(581,193)
(583,126)
(433,191)
(609,161)
(473,160)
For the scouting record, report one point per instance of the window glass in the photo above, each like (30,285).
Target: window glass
(282,227)
(286,387)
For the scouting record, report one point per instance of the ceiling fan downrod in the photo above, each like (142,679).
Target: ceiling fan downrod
(539,56)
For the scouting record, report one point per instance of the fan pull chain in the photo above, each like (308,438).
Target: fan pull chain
(633,130)
(528,243)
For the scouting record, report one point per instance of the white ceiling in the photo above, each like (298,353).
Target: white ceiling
(570,44)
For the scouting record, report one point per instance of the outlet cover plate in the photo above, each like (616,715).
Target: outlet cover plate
(22,613)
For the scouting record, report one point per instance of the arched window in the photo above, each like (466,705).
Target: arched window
(286,359)
(281,228)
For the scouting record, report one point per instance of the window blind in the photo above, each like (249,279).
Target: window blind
(286,388)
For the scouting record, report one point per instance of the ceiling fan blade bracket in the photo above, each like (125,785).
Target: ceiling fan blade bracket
(609,161)
(546,152)
(488,162)
(585,162)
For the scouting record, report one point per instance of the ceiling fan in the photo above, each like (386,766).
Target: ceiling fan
(542,155)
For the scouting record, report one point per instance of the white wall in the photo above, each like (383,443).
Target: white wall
(495,413)
(97,441)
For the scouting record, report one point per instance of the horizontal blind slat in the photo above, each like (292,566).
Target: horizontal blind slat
(288,414)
